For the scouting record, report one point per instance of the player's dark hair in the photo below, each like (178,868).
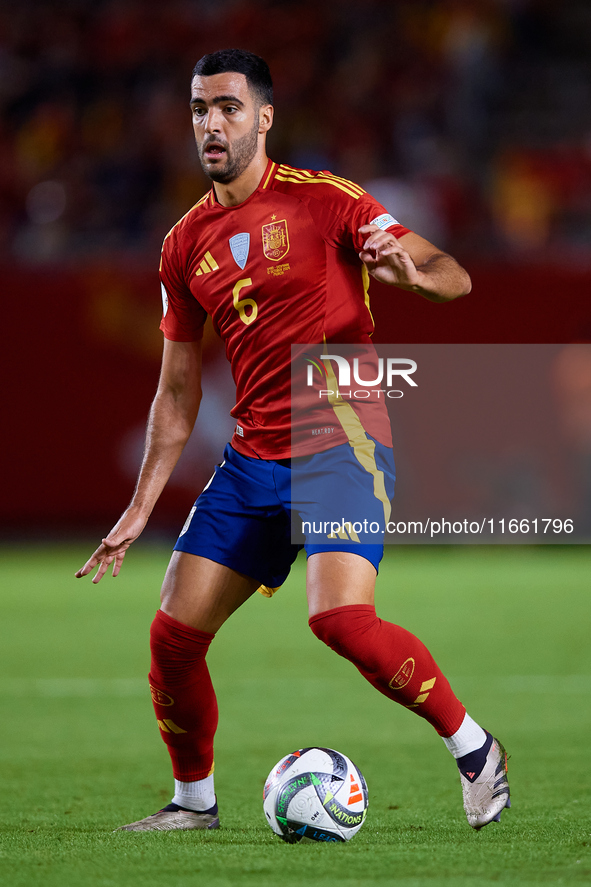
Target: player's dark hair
(240,61)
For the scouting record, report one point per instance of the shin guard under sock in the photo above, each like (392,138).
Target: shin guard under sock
(394,661)
(183,695)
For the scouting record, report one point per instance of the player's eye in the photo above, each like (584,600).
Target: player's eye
(198,112)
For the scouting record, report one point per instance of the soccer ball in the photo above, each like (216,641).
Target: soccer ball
(315,794)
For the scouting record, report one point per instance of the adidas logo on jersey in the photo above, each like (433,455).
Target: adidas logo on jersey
(207,264)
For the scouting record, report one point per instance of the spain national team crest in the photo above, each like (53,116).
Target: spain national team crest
(275,240)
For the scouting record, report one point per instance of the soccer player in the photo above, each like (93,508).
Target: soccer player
(276,255)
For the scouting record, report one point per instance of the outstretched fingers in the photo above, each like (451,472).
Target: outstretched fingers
(103,567)
(118,561)
(113,547)
(105,555)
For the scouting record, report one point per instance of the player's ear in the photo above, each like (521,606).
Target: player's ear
(265,118)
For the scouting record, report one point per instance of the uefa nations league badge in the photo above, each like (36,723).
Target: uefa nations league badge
(240,244)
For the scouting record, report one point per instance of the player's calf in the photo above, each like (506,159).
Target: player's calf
(183,696)
(393,660)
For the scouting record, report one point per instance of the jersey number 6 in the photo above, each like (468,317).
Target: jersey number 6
(241,304)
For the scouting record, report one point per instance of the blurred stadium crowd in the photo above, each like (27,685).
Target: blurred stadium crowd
(469,119)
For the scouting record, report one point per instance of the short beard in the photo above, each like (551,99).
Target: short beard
(238,156)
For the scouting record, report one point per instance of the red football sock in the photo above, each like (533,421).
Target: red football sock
(394,661)
(183,695)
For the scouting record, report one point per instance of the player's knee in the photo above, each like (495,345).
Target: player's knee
(347,630)
(176,648)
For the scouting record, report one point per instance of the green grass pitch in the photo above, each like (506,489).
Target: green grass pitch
(81,752)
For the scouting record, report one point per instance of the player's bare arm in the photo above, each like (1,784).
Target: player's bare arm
(412,263)
(171,420)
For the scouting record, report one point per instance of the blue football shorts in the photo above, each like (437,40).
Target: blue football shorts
(254,515)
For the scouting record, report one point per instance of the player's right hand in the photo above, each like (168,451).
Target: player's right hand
(113,547)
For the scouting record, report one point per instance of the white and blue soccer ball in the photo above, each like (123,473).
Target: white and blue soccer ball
(315,794)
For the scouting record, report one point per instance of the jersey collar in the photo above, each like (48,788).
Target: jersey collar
(264,184)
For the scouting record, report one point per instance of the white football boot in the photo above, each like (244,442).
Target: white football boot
(173,817)
(486,792)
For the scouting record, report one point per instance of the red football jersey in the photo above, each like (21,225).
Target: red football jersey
(278,269)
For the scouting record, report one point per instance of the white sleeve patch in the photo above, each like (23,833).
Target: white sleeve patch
(164,300)
(384,221)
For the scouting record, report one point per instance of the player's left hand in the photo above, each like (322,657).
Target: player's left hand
(386,259)
(113,547)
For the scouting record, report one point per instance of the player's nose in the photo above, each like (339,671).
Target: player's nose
(214,120)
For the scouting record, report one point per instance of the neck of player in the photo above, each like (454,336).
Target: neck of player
(233,193)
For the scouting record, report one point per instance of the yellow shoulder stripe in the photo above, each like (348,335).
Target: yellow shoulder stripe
(310,174)
(319,181)
(305,175)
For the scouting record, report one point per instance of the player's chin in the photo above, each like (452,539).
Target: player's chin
(214,164)
(223,176)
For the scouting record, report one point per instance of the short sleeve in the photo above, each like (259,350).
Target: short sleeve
(344,208)
(183,317)
(367,211)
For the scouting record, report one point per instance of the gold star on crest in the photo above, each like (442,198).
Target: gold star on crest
(273,217)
